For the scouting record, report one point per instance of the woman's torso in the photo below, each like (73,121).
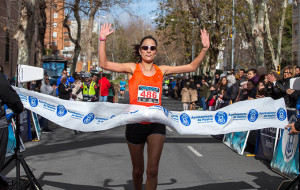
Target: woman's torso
(145,90)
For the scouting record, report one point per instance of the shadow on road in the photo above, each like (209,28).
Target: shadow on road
(83,143)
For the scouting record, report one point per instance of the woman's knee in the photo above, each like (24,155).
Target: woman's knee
(138,172)
(152,172)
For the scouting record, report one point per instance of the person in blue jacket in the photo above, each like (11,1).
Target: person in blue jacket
(70,79)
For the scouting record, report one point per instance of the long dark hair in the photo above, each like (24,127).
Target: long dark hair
(136,47)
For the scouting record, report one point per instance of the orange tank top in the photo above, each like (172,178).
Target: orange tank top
(144,90)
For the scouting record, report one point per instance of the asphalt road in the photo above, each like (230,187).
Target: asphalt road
(101,161)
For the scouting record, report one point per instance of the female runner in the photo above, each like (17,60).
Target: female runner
(145,88)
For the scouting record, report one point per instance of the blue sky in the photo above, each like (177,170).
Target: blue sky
(141,8)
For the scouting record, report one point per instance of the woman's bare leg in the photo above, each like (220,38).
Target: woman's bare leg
(137,159)
(155,144)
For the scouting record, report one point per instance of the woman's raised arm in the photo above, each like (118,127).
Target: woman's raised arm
(105,31)
(194,64)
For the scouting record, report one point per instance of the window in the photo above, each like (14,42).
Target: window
(296,29)
(54,24)
(54,35)
(54,43)
(66,33)
(55,15)
(67,40)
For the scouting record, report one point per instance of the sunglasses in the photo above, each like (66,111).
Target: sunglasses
(152,48)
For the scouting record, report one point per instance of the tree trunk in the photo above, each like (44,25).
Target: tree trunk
(275,56)
(94,8)
(278,57)
(257,27)
(40,25)
(78,35)
(25,32)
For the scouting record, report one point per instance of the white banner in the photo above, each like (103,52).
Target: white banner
(97,116)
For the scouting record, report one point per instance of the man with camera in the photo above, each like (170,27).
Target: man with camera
(11,99)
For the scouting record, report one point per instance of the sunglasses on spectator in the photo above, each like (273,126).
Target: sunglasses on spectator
(64,73)
(286,72)
(152,48)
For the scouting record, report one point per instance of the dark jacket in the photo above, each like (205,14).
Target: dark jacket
(64,91)
(276,91)
(297,124)
(9,97)
(290,100)
(232,93)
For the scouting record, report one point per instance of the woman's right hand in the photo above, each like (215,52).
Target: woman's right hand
(105,30)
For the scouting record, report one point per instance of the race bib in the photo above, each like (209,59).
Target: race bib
(148,94)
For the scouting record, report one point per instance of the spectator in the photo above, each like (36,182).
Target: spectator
(217,78)
(274,89)
(77,85)
(70,79)
(233,90)
(122,85)
(64,90)
(251,90)
(261,90)
(104,84)
(252,75)
(116,98)
(212,98)
(204,89)
(242,95)
(194,96)
(46,88)
(111,93)
(222,84)
(2,71)
(207,78)
(185,96)
(88,88)
(291,95)
(231,72)
(220,103)
(10,98)
(242,76)
(297,71)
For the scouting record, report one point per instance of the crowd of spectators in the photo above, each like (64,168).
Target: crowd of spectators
(84,87)
(211,93)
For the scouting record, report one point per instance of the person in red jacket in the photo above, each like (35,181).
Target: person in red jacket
(104,85)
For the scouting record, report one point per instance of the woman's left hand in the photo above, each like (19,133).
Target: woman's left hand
(205,39)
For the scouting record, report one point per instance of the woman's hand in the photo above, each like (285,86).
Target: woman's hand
(105,30)
(205,39)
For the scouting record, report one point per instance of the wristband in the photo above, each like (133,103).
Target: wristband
(102,39)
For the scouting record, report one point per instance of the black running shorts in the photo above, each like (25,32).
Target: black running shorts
(137,133)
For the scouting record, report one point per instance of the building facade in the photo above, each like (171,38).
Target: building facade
(9,16)
(56,36)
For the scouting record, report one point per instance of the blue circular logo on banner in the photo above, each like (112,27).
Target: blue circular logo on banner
(221,117)
(166,112)
(33,101)
(252,115)
(185,119)
(289,149)
(88,118)
(61,111)
(281,114)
